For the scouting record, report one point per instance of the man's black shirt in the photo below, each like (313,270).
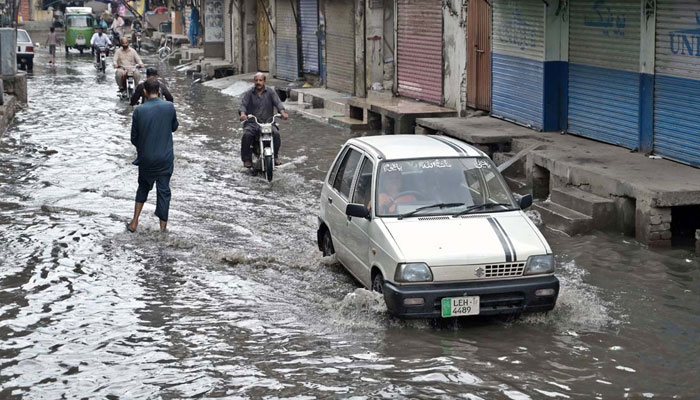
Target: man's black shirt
(138,93)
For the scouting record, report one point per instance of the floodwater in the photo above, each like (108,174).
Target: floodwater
(237,302)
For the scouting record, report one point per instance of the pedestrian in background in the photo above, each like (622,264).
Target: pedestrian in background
(52,41)
(152,127)
(194,26)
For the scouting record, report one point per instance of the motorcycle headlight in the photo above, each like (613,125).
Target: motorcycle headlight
(413,272)
(543,264)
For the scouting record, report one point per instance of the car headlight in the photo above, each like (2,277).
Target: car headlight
(540,265)
(413,272)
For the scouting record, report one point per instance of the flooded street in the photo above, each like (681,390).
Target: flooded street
(236,300)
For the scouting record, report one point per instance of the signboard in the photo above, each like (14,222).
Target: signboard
(214,21)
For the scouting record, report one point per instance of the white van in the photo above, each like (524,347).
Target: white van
(430,222)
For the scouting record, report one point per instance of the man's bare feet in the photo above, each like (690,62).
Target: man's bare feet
(163,225)
(131,226)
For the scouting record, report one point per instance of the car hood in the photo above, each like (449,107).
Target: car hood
(472,239)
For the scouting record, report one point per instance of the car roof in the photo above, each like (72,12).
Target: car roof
(399,147)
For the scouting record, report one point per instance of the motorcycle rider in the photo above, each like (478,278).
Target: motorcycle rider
(260,101)
(139,94)
(118,26)
(126,59)
(135,31)
(99,39)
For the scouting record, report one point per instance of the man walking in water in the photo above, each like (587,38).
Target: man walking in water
(152,127)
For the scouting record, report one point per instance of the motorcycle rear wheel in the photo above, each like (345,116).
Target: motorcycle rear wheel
(268,168)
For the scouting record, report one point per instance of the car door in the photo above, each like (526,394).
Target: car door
(358,228)
(338,199)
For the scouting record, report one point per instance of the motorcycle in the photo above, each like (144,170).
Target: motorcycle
(130,85)
(263,151)
(113,36)
(136,38)
(102,64)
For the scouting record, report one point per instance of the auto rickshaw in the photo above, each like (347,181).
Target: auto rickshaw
(79,28)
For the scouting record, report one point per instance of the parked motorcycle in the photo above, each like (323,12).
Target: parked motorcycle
(263,151)
(101,66)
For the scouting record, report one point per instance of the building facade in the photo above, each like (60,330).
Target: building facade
(625,72)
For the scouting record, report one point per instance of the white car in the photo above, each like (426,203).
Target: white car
(25,50)
(430,222)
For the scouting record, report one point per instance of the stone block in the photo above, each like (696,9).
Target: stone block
(16,85)
(666,235)
(659,243)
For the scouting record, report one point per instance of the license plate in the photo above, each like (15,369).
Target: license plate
(459,306)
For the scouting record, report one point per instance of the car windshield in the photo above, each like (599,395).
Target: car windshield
(80,21)
(22,36)
(440,186)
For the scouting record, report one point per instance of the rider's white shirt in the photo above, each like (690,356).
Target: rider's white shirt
(98,40)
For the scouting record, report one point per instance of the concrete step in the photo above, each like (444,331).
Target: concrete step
(601,209)
(349,123)
(563,219)
(298,107)
(335,105)
(321,114)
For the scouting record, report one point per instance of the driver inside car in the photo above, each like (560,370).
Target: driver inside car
(391,193)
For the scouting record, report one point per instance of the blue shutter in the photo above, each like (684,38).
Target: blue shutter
(677,81)
(517,61)
(604,80)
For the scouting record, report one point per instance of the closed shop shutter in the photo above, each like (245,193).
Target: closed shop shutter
(340,45)
(286,46)
(308,10)
(604,95)
(677,81)
(420,49)
(517,61)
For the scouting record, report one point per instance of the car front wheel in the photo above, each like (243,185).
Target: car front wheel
(378,283)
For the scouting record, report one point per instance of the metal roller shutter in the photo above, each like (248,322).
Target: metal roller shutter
(677,80)
(308,11)
(517,61)
(420,49)
(604,95)
(287,46)
(340,45)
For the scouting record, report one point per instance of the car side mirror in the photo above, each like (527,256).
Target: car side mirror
(525,201)
(357,210)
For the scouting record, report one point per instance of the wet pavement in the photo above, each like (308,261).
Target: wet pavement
(236,301)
